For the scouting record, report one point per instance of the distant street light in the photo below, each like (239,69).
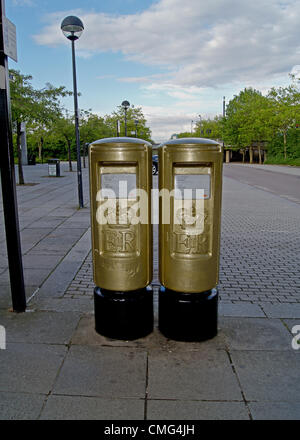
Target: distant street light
(126,106)
(136,124)
(72,27)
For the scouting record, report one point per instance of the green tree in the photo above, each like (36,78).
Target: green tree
(185,134)
(37,107)
(209,128)
(247,121)
(93,127)
(64,131)
(285,103)
(133,114)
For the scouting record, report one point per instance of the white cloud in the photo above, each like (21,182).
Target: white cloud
(201,50)
(201,43)
(167,120)
(296,72)
(23,3)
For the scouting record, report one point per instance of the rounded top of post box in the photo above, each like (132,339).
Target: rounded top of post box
(190,140)
(121,140)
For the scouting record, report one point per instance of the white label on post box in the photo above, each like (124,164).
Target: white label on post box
(123,185)
(192,186)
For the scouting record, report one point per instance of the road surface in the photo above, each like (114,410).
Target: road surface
(283,183)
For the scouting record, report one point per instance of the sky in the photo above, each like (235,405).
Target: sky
(175,59)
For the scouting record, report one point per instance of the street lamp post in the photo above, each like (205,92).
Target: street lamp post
(200,124)
(136,125)
(126,106)
(72,27)
(224,114)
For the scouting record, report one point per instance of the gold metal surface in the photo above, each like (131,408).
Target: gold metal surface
(189,252)
(122,252)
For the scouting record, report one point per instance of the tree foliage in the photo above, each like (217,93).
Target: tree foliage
(38,108)
(254,120)
(51,129)
(136,122)
(285,103)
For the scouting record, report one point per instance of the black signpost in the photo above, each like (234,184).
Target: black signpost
(8,48)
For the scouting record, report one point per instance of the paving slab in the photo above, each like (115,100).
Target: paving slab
(3,249)
(205,374)
(20,406)
(31,236)
(103,372)
(84,305)
(186,410)
(30,368)
(91,408)
(256,334)
(3,262)
(78,220)
(241,310)
(63,275)
(275,410)
(85,334)
(290,323)
(268,375)
(39,327)
(282,310)
(59,240)
(63,212)
(32,261)
(59,280)
(293,326)
(32,277)
(47,222)
(5,295)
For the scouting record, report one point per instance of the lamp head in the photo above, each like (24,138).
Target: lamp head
(126,104)
(72,27)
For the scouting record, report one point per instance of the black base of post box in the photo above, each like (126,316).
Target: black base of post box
(123,315)
(189,317)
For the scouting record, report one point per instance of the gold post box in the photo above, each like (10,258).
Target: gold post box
(190,184)
(120,195)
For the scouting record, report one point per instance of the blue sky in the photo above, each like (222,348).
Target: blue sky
(174,59)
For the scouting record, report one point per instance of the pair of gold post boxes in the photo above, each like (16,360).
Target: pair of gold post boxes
(189,193)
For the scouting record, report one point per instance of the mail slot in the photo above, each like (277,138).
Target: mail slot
(190,183)
(120,188)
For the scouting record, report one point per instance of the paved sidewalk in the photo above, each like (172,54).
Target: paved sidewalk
(56,367)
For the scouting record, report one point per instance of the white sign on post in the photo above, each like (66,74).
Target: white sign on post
(10,39)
